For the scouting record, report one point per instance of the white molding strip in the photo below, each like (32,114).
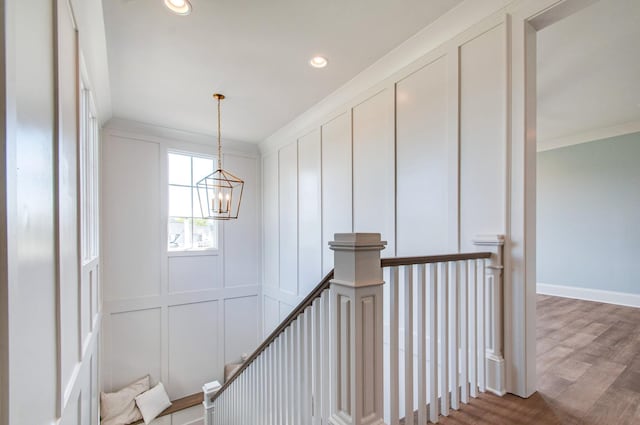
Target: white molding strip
(128,128)
(598,295)
(589,136)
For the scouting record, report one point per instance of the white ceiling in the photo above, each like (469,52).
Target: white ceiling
(589,70)
(163,68)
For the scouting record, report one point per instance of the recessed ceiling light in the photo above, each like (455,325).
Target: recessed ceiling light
(318,62)
(179,7)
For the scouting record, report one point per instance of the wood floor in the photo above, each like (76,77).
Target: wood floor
(588,359)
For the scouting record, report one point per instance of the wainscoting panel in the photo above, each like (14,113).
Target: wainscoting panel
(126,275)
(242,259)
(134,347)
(271,319)
(483,147)
(288,213)
(200,319)
(241,332)
(337,213)
(270,221)
(194,273)
(374,168)
(422,161)
(309,212)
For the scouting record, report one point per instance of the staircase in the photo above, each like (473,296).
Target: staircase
(397,340)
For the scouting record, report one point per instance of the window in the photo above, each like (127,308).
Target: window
(89,173)
(187,229)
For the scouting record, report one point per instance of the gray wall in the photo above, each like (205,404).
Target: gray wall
(589,215)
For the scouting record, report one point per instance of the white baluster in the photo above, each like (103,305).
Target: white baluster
(481,326)
(408,345)
(422,345)
(309,366)
(290,380)
(464,342)
(289,371)
(272,385)
(265,387)
(281,376)
(434,412)
(394,347)
(260,412)
(297,367)
(453,335)
(473,350)
(243,398)
(444,338)
(254,389)
(304,368)
(326,369)
(357,323)
(317,370)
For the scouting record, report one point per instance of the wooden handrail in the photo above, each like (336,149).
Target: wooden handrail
(324,284)
(306,302)
(406,261)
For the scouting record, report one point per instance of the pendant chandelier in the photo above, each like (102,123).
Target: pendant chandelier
(220,193)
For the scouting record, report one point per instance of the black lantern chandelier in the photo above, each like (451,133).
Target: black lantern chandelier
(220,193)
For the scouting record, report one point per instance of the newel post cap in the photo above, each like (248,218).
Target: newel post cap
(357,259)
(488,240)
(357,242)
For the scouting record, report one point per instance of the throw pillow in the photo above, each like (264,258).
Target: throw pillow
(119,407)
(153,402)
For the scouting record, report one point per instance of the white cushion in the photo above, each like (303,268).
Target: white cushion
(120,407)
(153,402)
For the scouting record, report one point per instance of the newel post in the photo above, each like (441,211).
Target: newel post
(356,328)
(494,271)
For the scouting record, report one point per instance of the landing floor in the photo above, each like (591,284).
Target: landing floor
(588,360)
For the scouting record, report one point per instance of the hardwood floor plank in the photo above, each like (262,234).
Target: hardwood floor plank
(615,402)
(582,394)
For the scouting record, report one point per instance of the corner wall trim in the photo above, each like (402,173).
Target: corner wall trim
(587,294)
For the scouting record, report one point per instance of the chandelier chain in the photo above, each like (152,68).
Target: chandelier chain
(219,144)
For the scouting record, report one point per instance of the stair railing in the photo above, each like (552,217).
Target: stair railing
(343,356)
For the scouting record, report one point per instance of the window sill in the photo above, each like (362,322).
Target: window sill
(193,253)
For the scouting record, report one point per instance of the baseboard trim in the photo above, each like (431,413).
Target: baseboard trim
(598,295)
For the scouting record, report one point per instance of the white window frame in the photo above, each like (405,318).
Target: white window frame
(188,252)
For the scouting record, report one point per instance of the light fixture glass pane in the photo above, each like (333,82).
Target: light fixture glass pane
(179,233)
(202,167)
(179,201)
(179,169)
(204,234)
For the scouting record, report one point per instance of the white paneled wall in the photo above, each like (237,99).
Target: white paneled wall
(179,317)
(419,157)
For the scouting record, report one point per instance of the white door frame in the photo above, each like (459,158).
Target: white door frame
(524,19)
